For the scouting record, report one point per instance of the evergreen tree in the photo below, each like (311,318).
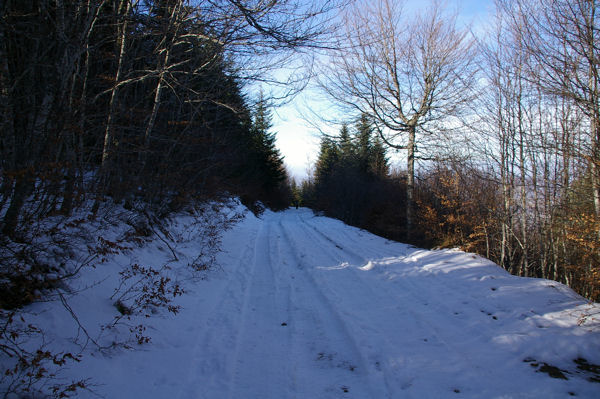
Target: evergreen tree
(346,146)
(378,162)
(296,193)
(364,150)
(267,161)
(262,117)
(371,154)
(329,156)
(350,174)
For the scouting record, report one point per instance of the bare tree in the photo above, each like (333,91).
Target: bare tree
(256,37)
(42,47)
(535,141)
(509,106)
(72,71)
(562,41)
(494,110)
(409,75)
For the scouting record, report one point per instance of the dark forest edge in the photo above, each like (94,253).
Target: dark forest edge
(457,204)
(137,103)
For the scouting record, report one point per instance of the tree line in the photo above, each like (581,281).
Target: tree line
(501,135)
(150,104)
(351,177)
(144,101)
(139,100)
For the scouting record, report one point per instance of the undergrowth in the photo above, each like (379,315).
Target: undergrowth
(49,258)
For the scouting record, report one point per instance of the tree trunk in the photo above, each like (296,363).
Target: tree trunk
(23,186)
(595,168)
(524,267)
(169,37)
(155,107)
(595,112)
(410,180)
(506,197)
(108,134)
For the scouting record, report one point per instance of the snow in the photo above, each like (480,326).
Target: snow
(303,306)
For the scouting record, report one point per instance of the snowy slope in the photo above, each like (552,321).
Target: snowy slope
(306,307)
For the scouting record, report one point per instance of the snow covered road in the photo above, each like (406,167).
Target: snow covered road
(303,306)
(312,308)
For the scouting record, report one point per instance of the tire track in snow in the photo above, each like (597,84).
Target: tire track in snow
(209,362)
(448,288)
(369,330)
(260,356)
(425,319)
(328,351)
(275,276)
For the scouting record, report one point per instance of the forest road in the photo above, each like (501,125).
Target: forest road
(317,309)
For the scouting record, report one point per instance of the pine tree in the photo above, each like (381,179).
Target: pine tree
(329,156)
(346,146)
(378,162)
(268,162)
(349,168)
(364,150)
(296,193)
(262,118)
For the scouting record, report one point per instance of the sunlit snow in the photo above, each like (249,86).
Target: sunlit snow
(302,306)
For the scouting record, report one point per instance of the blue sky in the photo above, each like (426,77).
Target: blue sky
(298,140)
